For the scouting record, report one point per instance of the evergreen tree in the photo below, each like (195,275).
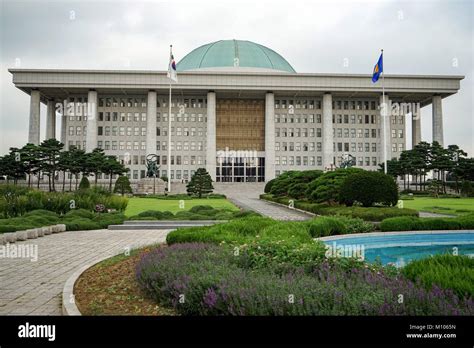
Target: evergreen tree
(122,185)
(201,183)
(111,167)
(49,151)
(84,184)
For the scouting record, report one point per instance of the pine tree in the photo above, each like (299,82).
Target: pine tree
(201,183)
(122,185)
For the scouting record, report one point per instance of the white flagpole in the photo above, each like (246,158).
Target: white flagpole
(169,134)
(384,117)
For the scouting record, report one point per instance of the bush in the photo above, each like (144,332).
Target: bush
(158,215)
(326,188)
(419,224)
(82,213)
(84,184)
(367,214)
(444,271)
(326,226)
(268,185)
(122,185)
(79,224)
(104,220)
(368,188)
(297,190)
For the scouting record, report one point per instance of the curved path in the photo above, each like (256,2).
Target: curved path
(269,209)
(34,287)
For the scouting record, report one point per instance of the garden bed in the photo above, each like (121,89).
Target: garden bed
(368,214)
(110,288)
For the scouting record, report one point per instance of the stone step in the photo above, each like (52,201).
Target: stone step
(161,225)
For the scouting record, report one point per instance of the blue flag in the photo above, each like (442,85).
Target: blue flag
(378,69)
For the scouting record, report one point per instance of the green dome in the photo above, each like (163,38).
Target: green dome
(234,54)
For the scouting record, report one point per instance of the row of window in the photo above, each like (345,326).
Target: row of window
(298,146)
(141,117)
(185,146)
(180,174)
(355,133)
(318,161)
(353,147)
(316,104)
(181,131)
(122,145)
(142,102)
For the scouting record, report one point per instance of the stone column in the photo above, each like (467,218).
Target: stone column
(91,137)
(328,139)
(151,123)
(211,135)
(438,120)
(269,136)
(64,117)
(34,127)
(385,126)
(50,120)
(416,128)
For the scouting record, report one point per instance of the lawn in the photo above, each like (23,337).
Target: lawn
(136,205)
(453,206)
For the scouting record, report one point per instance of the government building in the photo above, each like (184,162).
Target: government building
(239,109)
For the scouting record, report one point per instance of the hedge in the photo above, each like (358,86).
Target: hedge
(406,223)
(367,214)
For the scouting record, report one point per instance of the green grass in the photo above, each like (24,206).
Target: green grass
(137,205)
(445,271)
(450,206)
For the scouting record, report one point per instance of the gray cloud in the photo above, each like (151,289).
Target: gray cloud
(418,37)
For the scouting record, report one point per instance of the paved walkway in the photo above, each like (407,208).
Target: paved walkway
(34,288)
(274,211)
(427,214)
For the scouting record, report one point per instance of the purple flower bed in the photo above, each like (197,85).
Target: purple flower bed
(204,279)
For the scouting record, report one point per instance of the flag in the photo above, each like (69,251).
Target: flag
(378,69)
(172,73)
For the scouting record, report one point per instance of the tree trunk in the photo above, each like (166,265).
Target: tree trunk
(70,183)
(95,179)
(29,180)
(110,183)
(64,180)
(52,180)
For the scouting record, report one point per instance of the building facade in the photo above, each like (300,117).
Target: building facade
(239,109)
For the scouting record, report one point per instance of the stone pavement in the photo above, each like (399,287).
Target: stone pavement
(274,211)
(34,288)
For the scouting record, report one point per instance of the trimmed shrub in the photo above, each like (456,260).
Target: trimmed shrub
(244,213)
(367,214)
(419,224)
(369,188)
(326,226)
(268,185)
(84,184)
(297,190)
(326,188)
(79,224)
(82,213)
(159,215)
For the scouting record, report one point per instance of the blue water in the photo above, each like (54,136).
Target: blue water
(401,249)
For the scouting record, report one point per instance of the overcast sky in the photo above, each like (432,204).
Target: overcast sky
(418,37)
